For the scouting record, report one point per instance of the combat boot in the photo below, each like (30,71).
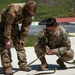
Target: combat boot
(25,68)
(43,67)
(8,71)
(61,64)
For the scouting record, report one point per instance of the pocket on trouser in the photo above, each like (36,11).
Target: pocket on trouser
(68,55)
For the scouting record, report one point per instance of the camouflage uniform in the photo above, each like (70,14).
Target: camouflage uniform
(59,41)
(10,18)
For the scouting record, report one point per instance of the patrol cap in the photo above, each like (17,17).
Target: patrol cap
(51,22)
(31,3)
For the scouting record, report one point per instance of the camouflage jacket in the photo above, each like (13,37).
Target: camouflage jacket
(59,40)
(11,16)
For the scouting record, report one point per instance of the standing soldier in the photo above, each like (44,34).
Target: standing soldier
(53,39)
(15,21)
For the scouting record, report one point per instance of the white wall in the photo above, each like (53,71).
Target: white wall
(34,23)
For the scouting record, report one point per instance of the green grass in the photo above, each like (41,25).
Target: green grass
(52,11)
(4,3)
(30,40)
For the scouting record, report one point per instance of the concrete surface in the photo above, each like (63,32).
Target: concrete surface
(51,59)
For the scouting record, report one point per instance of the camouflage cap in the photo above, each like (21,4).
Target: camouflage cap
(31,3)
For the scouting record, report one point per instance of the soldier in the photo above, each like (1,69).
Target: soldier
(15,21)
(53,40)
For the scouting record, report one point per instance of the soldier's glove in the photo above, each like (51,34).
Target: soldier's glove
(21,42)
(8,45)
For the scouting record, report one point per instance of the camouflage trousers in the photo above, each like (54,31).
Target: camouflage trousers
(5,53)
(20,51)
(41,50)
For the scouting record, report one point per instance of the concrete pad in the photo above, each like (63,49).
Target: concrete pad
(51,60)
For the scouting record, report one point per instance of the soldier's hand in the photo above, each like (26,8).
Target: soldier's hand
(8,45)
(47,49)
(50,51)
(21,42)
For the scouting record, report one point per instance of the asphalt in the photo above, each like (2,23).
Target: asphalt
(51,60)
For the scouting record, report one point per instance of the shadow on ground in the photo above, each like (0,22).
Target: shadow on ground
(35,67)
(51,66)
